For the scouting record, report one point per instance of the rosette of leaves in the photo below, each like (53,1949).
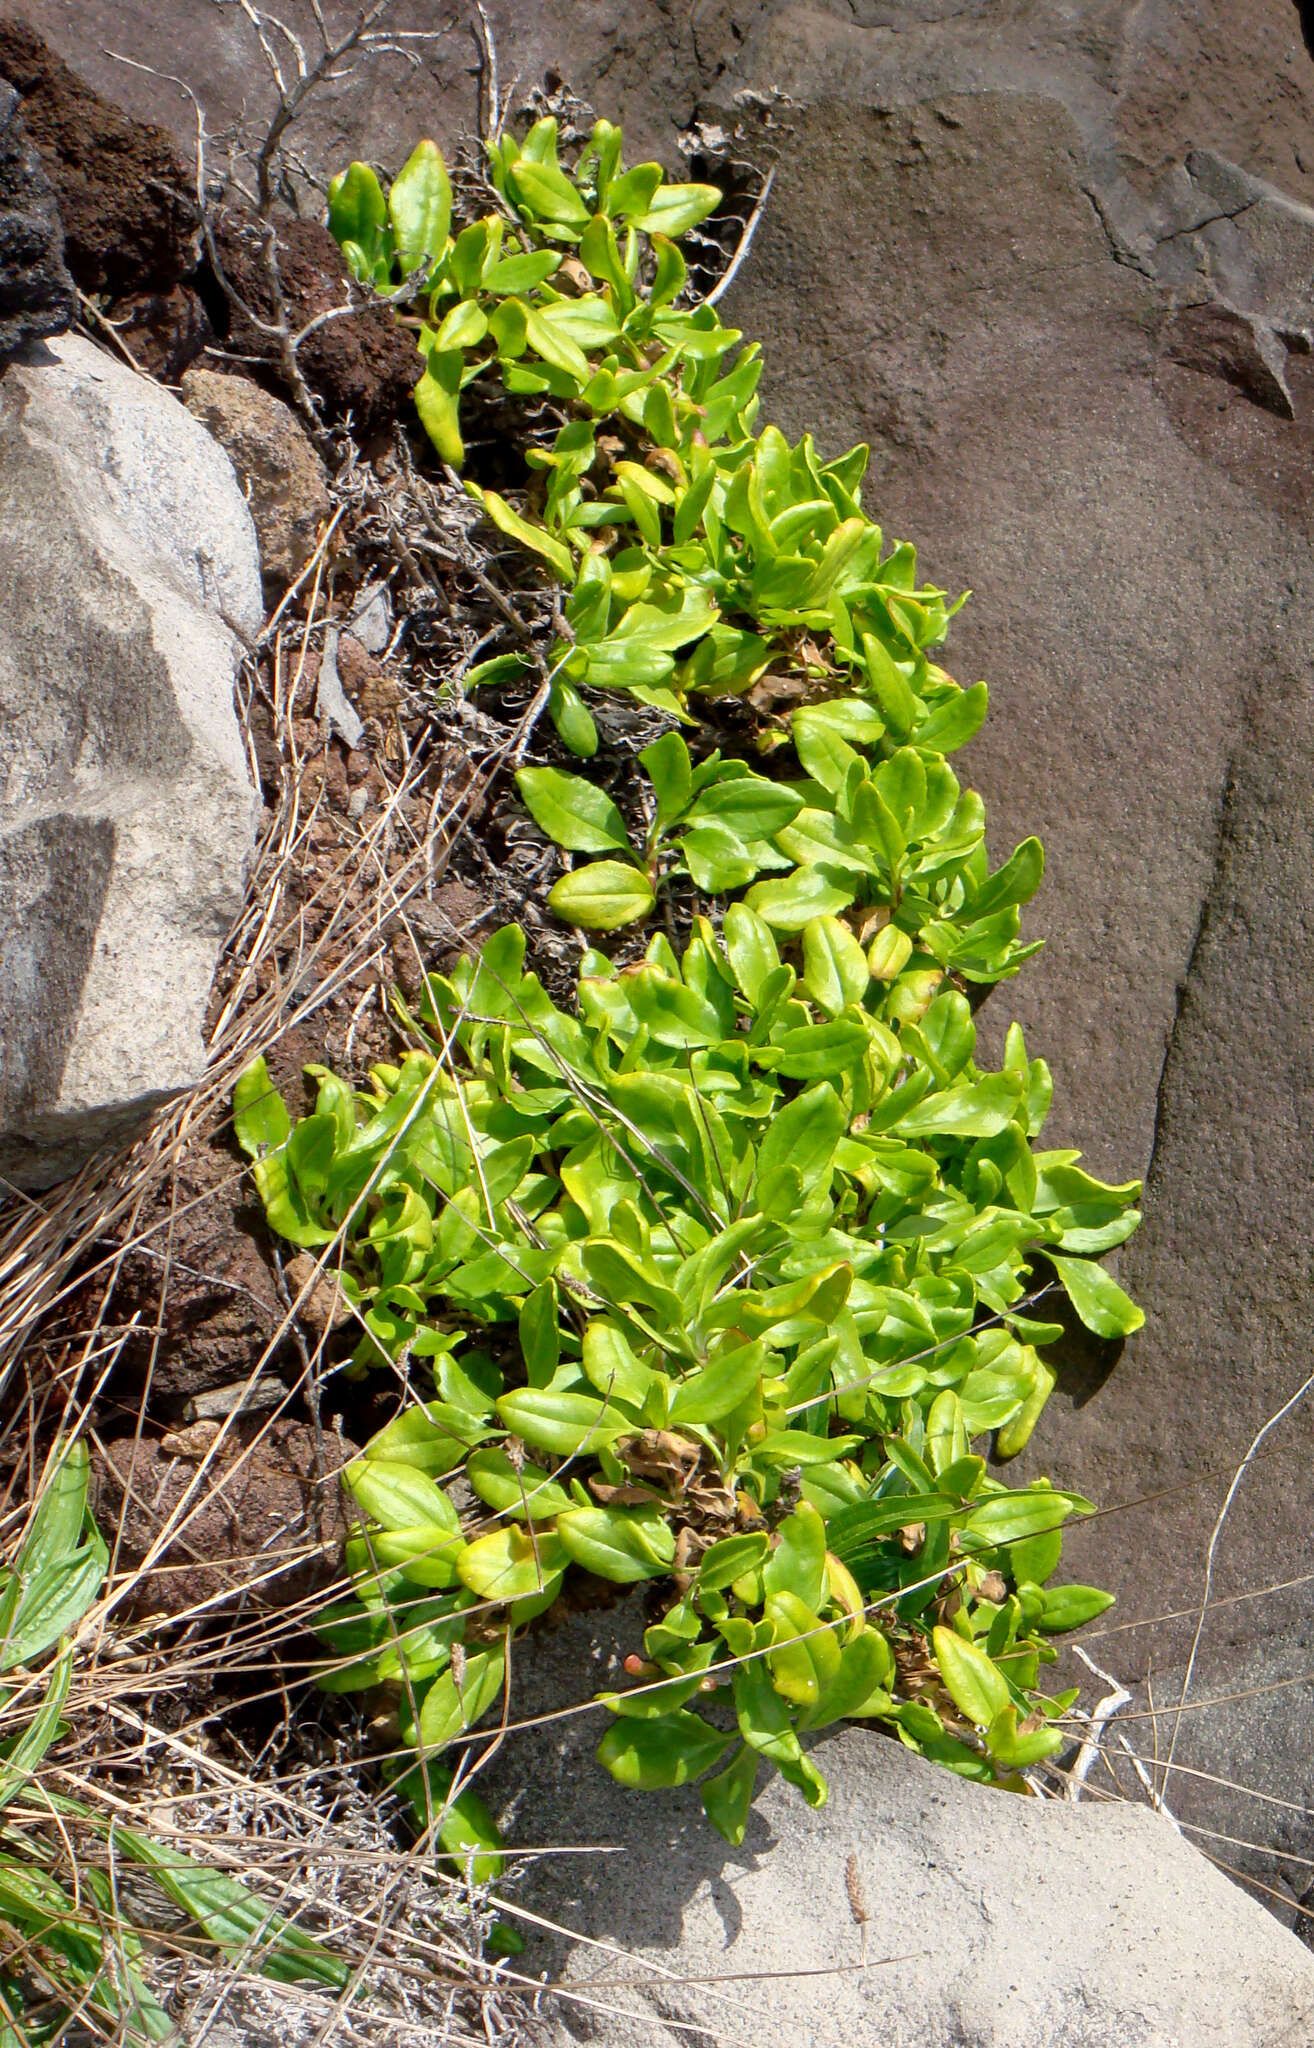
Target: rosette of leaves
(889,856)
(730,1248)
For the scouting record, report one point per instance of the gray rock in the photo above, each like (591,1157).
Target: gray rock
(36,291)
(993,1921)
(127,567)
(276,465)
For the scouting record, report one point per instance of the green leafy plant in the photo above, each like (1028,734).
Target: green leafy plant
(723,1275)
(713,1262)
(897,850)
(80,1952)
(696,557)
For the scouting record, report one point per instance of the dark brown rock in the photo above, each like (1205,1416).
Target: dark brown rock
(165,331)
(124,190)
(36,291)
(361,365)
(1238,347)
(262,1520)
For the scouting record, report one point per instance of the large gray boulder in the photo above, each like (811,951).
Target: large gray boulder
(992,1920)
(128,573)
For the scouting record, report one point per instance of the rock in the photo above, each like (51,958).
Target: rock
(124,190)
(263,1517)
(361,364)
(164,331)
(36,291)
(1240,347)
(276,465)
(993,1921)
(127,564)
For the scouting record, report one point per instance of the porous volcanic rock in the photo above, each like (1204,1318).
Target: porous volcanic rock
(256,1511)
(361,363)
(128,565)
(123,188)
(36,291)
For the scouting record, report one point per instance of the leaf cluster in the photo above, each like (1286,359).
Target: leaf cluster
(723,1275)
(696,555)
(729,1247)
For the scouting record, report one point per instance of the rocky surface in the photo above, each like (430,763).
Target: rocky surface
(991,1921)
(36,291)
(124,188)
(1054,261)
(275,463)
(128,566)
(211,1512)
(360,363)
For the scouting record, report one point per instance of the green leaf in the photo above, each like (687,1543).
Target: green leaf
(437,402)
(677,208)
(559,1422)
(539,542)
(572,719)
(546,193)
(399,1497)
(975,1684)
(749,805)
(1097,1297)
(260,1117)
(753,952)
(574,813)
(1015,1750)
(511,1563)
(523,1491)
(860,1688)
(610,1363)
(804,1135)
(797,1565)
(234,1917)
(358,211)
(1071,1607)
(835,970)
(979,1109)
(792,902)
(620,1544)
(731,1558)
(1016,882)
(805,1658)
(448,1708)
(671,774)
(717,1390)
(728,1797)
(652,1755)
(420,206)
(540,1334)
(602,896)
(810,1052)
(1006,1517)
